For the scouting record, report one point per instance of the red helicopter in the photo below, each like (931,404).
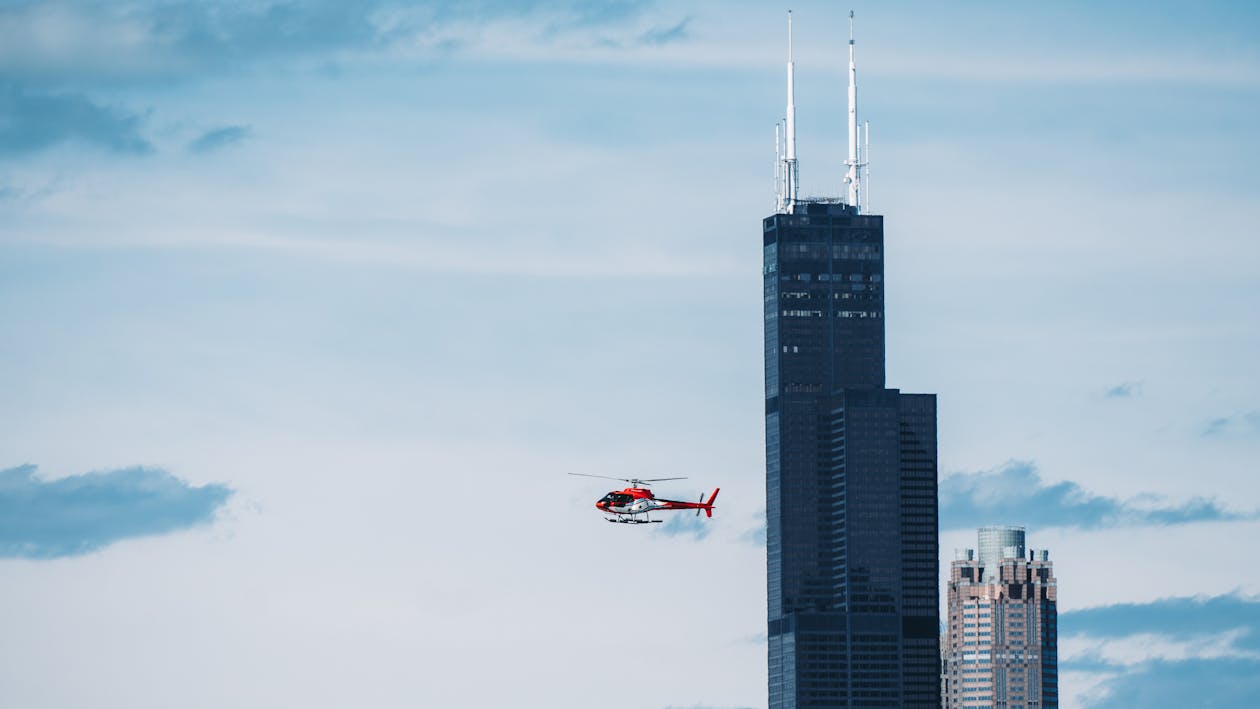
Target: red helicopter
(626,506)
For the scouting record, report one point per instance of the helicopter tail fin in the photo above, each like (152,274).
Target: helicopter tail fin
(708,506)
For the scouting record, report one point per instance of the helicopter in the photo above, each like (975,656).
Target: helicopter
(627,505)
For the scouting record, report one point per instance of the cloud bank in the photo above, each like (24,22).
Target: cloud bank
(1016,492)
(1168,652)
(45,519)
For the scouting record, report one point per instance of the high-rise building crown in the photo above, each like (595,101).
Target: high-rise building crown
(787,171)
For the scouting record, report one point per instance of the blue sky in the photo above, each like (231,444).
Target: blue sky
(352,287)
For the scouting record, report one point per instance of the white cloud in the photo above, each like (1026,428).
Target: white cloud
(1139,648)
(1079,688)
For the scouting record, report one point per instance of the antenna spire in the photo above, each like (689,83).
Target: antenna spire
(853,178)
(788,191)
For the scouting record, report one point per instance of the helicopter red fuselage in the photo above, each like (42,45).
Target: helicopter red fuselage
(634,504)
(640,500)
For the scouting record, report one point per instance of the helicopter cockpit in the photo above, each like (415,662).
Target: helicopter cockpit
(615,499)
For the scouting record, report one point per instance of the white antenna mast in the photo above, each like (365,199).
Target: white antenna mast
(866,163)
(778,158)
(787,199)
(852,179)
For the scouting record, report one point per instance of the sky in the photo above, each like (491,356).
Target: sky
(307,309)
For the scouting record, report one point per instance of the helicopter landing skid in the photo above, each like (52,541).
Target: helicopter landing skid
(618,520)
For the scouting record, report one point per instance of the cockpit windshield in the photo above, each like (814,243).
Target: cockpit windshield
(618,499)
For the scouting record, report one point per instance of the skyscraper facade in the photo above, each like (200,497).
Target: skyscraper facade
(850,477)
(851,467)
(1002,643)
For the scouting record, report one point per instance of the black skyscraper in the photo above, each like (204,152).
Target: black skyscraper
(850,477)
(851,539)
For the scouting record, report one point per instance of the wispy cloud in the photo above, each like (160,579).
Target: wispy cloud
(1090,652)
(35,120)
(13,195)
(685,524)
(146,40)
(1166,652)
(1125,390)
(218,138)
(44,519)
(1182,617)
(1015,491)
(659,36)
(757,535)
(48,47)
(1246,423)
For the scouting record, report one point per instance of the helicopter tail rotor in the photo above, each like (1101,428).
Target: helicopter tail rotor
(708,506)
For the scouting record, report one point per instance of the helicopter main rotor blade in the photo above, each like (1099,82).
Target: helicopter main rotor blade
(605,477)
(626,480)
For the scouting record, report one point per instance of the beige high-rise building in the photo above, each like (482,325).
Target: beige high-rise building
(1001,648)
